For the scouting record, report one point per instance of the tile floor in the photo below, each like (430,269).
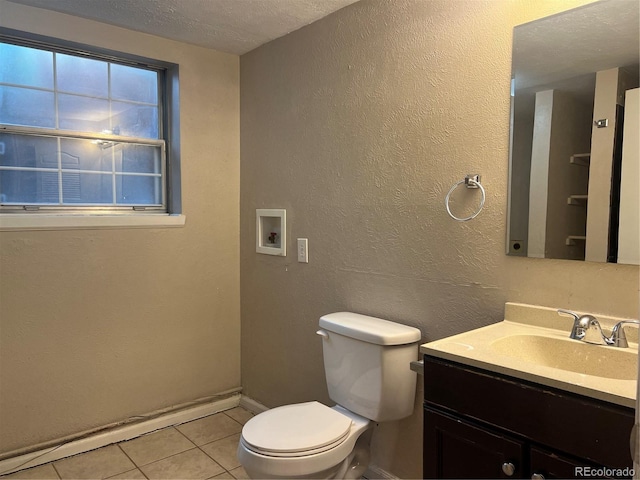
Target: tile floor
(201,449)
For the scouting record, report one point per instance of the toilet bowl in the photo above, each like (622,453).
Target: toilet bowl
(366,363)
(305,440)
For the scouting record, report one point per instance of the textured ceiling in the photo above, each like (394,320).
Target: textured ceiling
(233,26)
(595,37)
(564,51)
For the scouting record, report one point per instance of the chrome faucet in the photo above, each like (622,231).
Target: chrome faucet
(580,324)
(587,329)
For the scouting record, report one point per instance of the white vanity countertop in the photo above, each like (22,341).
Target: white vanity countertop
(509,348)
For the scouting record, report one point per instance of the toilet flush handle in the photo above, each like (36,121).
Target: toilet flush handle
(323,334)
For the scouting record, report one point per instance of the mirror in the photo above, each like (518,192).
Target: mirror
(573,163)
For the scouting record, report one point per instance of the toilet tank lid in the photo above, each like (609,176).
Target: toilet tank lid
(369,329)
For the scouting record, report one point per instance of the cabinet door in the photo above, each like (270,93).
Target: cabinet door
(456,449)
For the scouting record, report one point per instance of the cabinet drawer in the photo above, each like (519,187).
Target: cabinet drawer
(551,465)
(591,429)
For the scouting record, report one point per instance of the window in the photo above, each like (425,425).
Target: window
(86,131)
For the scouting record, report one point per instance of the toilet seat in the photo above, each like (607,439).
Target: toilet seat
(321,462)
(296,430)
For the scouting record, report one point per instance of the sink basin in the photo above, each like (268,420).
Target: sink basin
(570,355)
(532,343)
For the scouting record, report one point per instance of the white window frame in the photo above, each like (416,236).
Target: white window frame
(43,217)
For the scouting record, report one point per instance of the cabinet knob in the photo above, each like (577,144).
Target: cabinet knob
(508,468)
(537,476)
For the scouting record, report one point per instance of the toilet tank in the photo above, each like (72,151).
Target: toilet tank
(367,364)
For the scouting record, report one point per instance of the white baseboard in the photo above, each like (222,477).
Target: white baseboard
(251,405)
(118,434)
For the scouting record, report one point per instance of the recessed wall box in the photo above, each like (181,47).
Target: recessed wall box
(271,231)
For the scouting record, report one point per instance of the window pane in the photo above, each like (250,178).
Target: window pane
(23,106)
(82,75)
(87,114)
(135,84)
(86,155)
(138,190)
(134,120)
(28,151)
(138,159)
(83,114)
(26,66)
(50,96)
(28,187)
(87,188)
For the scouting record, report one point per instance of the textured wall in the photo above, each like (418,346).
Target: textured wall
(96,326)
(358,125)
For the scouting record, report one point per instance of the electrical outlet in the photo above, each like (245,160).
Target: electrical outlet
(303,250)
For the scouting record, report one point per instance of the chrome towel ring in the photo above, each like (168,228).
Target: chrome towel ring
(471,181)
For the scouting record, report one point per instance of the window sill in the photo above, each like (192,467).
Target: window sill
(20,222)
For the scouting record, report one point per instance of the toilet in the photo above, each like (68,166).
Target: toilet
(367,367)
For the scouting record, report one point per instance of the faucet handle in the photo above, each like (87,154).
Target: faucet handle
(618,337)
(562,311)
(577,331)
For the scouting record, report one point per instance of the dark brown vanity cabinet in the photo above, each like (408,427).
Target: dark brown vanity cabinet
(479,424)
